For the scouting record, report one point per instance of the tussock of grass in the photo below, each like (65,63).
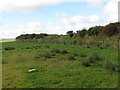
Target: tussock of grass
(86,63)
(55,50)
(90,59)
(110,66)
(63,51)
(71,58)
(9,48)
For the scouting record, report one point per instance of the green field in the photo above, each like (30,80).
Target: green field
(56,70)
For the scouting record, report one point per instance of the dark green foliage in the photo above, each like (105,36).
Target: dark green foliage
(71,58)
(31,36)
(110,66)
(95,31)
(9,48)
(111,29)
(82,33)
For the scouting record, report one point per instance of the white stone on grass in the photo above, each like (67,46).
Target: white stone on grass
(31,70)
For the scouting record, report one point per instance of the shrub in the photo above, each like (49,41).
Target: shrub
(86,63)
(9,48)
(110,66)
(55,50)
(71,58)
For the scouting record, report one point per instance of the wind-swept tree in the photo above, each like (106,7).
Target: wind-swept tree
(70,33)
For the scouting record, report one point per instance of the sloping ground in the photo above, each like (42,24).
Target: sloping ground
(56,70)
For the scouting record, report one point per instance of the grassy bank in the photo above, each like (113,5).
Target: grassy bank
(58,66)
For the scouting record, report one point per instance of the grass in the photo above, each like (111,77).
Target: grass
(56,71)
(7,41)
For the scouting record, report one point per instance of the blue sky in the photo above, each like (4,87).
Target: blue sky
(55,17)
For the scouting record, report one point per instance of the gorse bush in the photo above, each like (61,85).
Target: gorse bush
(110,66)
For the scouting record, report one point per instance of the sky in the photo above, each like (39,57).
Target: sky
(54,16)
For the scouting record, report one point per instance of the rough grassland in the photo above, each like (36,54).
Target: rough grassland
(57,71)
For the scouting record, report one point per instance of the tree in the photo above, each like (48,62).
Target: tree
(70,33)
(82,33)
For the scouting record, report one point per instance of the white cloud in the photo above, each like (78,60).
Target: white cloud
(111,10)
(24,5)
(81,19)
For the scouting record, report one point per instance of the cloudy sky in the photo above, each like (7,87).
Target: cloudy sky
(54,16)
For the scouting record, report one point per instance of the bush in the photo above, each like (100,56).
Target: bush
(9,48)
(110,66)
(71,58)
(55,50)
(86,63)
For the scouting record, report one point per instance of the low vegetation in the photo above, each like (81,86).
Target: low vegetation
(87,58)
(9,48)
(82,67)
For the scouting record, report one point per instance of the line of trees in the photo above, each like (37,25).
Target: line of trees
(108,31)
